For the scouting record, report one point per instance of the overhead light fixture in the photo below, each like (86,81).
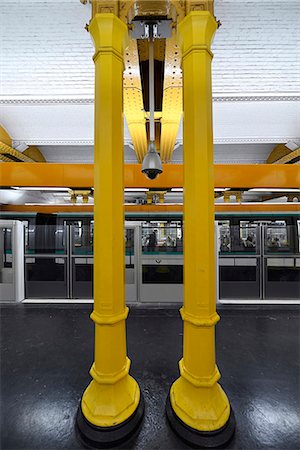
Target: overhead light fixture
(216,189)
(170,204)
(152,165)
(273,190)
(59,204)
(33,188)
(229,203)
(136,190)
(221,189)
(265,203)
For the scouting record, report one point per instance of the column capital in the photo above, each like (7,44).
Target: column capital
(109,34)
(196,31)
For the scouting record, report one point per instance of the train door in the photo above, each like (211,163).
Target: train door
(81,259)
(46,260)
(81,272)
(281,260)
(239,261)
(11,261)
(132,259)
(161,268)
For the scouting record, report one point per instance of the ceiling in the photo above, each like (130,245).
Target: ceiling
(47,78)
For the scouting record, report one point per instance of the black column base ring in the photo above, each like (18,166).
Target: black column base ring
(200,439)
(107,437)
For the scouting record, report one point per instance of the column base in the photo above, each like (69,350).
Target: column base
(107,437)
(200,439)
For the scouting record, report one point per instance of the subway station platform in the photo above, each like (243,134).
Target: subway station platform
(46,359)
(149,157)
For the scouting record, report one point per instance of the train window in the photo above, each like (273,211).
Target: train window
(29,237)
(45,239)
(129,241)
(82,239)
(164,237)
(225,244)
(6,247)
(278,239)
(238,238)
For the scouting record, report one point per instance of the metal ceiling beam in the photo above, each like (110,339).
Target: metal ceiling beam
(136,54)
(133,101)
(8,153)
(291,158)
(172,99)
(82,175)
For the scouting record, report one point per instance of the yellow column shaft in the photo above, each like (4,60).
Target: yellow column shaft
(196,397)
(113,395)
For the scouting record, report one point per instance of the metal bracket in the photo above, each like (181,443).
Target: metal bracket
(151,28)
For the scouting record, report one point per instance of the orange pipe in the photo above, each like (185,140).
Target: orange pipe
(82,175)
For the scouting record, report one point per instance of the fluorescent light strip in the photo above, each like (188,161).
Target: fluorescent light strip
(216,189)
(258,203)
(59,204)
(221,189)
(136,190)
(273,190)
(50,189)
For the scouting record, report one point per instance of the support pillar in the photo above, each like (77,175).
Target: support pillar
(197,408)
(111,408)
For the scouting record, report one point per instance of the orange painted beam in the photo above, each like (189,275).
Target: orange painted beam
(47,175)
(159,208)
(82,175)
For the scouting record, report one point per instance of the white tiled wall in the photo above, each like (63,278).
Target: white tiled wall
(257,48)
(46,50)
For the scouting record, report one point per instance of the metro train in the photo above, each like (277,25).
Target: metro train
(258,256)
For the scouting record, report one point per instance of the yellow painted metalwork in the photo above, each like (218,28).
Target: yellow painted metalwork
(196,397)
(5,159)
(278,152)
(159,49)
(133,101)
(152,197)
(183,7)
(172,99)
(163,49)
(113,395)
(118,7)
(5,137)
(82,175)
(237,194)
(8,153)
(291,158)
(34,153)
(199,5)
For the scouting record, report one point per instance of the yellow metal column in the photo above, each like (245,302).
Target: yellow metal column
(111,407)
(197,407)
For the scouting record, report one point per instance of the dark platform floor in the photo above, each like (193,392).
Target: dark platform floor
(46,352)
